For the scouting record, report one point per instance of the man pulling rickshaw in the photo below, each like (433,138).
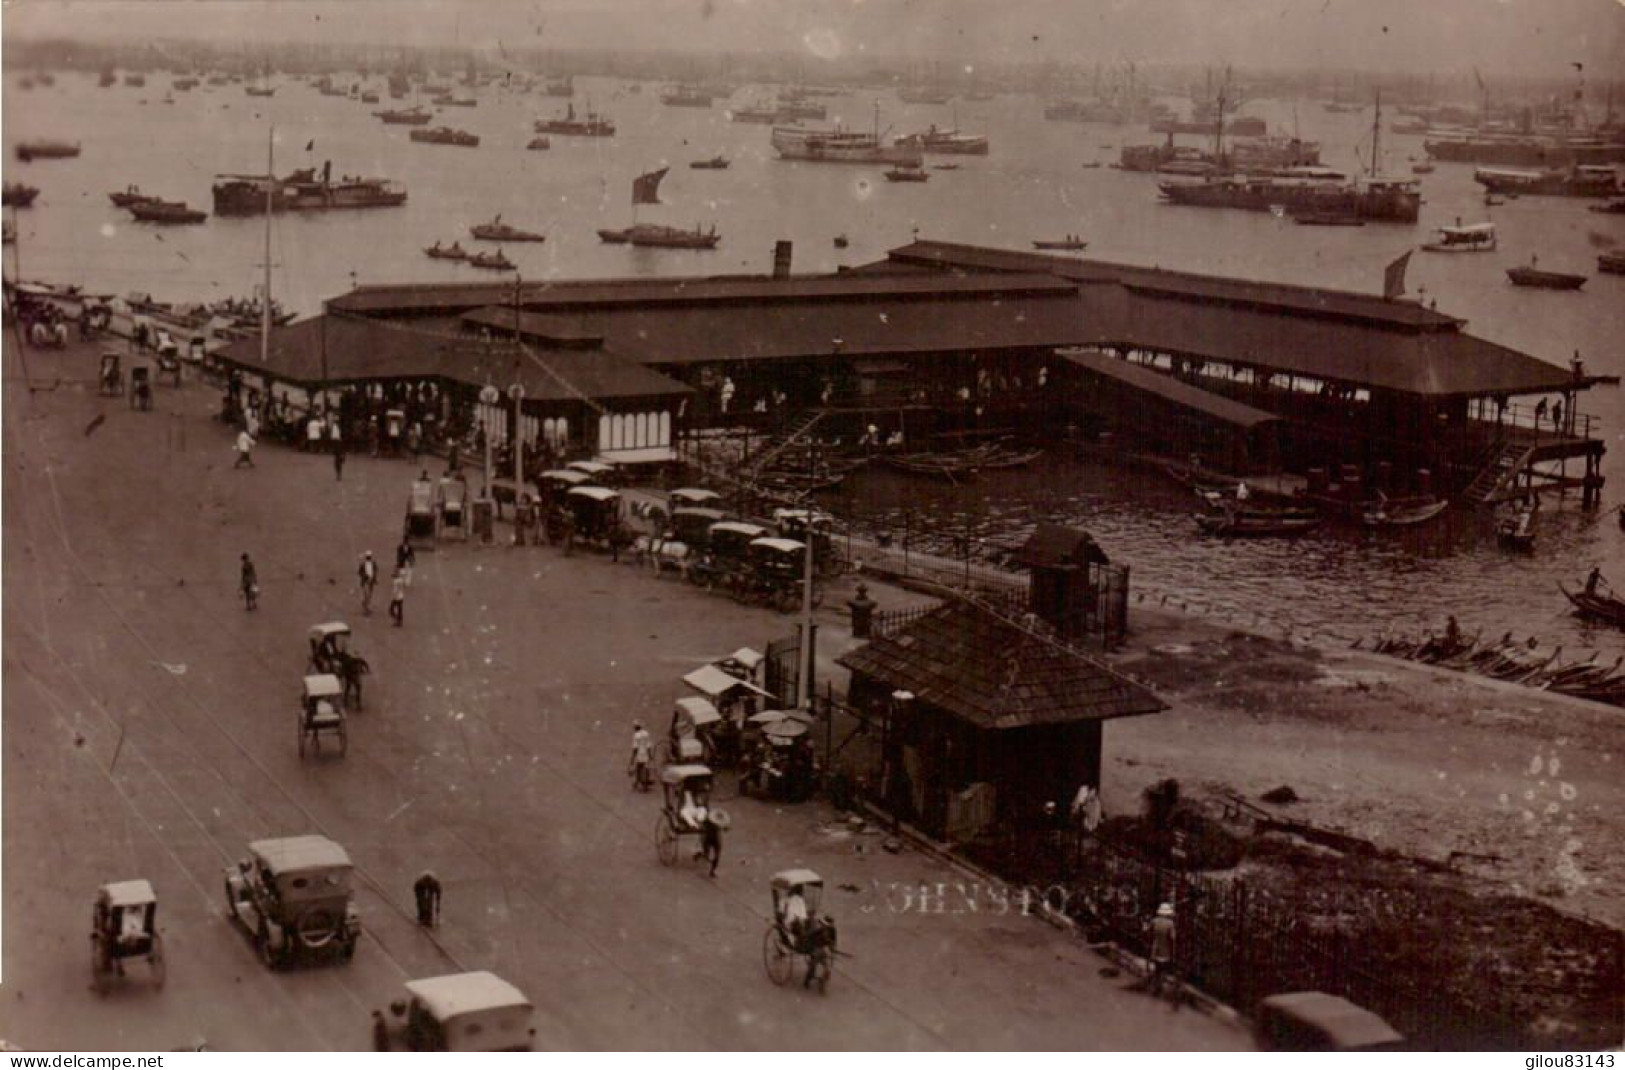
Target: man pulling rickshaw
(687,811)
(798,929)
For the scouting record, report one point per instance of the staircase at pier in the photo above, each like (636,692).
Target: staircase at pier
(1498,473)
(797,433)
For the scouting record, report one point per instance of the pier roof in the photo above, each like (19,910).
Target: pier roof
(964,658)
(1170,389)
(358,349)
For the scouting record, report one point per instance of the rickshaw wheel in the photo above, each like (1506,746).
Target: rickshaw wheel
(778,957)
(155,959)
(666,840)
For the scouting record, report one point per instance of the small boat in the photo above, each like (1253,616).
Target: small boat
(1517,532)
(1611,263)
(408,117)
(715,163)
(1544,280)
(169,212)
(259,91)
(962,463)
(944,167)
(538,144)
(1391,514)
(19,195)
(908,173)
(1472,238)
(130,195)
(454,251)
(491,261)
(445,135)
(841,241)
(1235,521)
(46,150)
(497,230)
(1315,218)
(657,236)
(1070,242)
(1599,605)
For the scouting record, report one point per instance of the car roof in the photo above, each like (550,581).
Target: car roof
(783,546)
(789,878)
(740,526)
(292,853)
(1345,1024)
(447,996)
(129,893)
(597,494)
(323,685)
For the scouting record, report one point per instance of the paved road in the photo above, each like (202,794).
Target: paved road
(150,731)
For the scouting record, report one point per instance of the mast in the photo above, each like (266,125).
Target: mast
(1376,134)
(265,298)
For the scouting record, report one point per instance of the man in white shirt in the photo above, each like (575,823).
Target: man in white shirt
(245,450)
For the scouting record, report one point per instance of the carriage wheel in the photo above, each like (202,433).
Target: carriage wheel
(778,957)
(666,840)
(155,959)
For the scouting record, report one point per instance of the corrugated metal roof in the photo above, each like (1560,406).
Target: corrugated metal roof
(1166,387)
(600,293)
(963,658)
(1281,297)
(358,349)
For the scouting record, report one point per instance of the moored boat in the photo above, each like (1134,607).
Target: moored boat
(1597,601)
(454,251)
(1235,521)
(1576,181)
(946,141)
(592,125)
(497,230)
(19,195)
(658,236)
(1611,263)
(491,261)
(1530,275)
(155,210)
(46,150)
(302,191)
(539,144)
(445,135)
(130,195)
(1472,238)
(405,117)
(840,145)
(1070,242)
(715,163)
(907,174)
(1403,514)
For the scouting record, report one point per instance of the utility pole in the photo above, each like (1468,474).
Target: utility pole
(809,659)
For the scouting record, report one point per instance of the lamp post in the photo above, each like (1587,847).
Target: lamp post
(517,392)
(490,397)
(808,647)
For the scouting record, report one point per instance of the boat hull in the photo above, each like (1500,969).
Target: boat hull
(840,146)
(1329,199)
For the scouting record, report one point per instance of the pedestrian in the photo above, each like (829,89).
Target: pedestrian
(711,840)
(643,748)
(405,559)
(338,461)
(245,450)
(335,434)
(313,433)
(251,584)
(1557,415)
(372,435)
(397,598)
(367,573)
(1162,949)
(427,891)
(380,1032)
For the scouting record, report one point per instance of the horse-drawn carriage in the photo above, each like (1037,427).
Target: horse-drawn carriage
(451,500)
(422,515)
(726,560)
(597,514)
(692,497)
(687,809)
(123,925)
(321,713)
(795,524)
(330,653)
(774,574)
(554,484)
(798,930)
(601,472)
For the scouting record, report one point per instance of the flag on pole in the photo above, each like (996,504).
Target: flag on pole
(646,188)
(1393,277)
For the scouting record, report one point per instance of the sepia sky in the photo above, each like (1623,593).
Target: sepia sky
(1507,37)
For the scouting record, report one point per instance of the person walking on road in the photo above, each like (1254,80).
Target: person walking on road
(642,754)
(397,598)
(406,559)
(251,584)
(245,450)
(1162,950)
(338,460)
(368,575)
(427,892)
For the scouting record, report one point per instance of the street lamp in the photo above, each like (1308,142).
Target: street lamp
(490,397)
(517,392)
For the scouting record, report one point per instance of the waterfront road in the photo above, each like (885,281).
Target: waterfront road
(149,731)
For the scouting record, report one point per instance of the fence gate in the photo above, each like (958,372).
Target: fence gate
(782,673)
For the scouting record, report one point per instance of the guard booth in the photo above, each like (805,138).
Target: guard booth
(1073,586)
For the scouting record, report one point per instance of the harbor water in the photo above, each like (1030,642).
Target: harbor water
(1040,181)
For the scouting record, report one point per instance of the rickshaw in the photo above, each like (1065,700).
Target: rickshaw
(601,472)
(597,513)
(421,520)
(141,381)
(123,926)
(797,929)
(453,502)
(687,807)
(321,712)
(778,762)
(689,497)
(726,561)
(793,524)
(329,644)
(776,573)
(735,699)
(111,379)
(169,356)
(693,720)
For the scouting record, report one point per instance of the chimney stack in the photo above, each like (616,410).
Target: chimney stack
(781,259)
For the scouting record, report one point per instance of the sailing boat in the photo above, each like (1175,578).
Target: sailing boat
(646,190)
